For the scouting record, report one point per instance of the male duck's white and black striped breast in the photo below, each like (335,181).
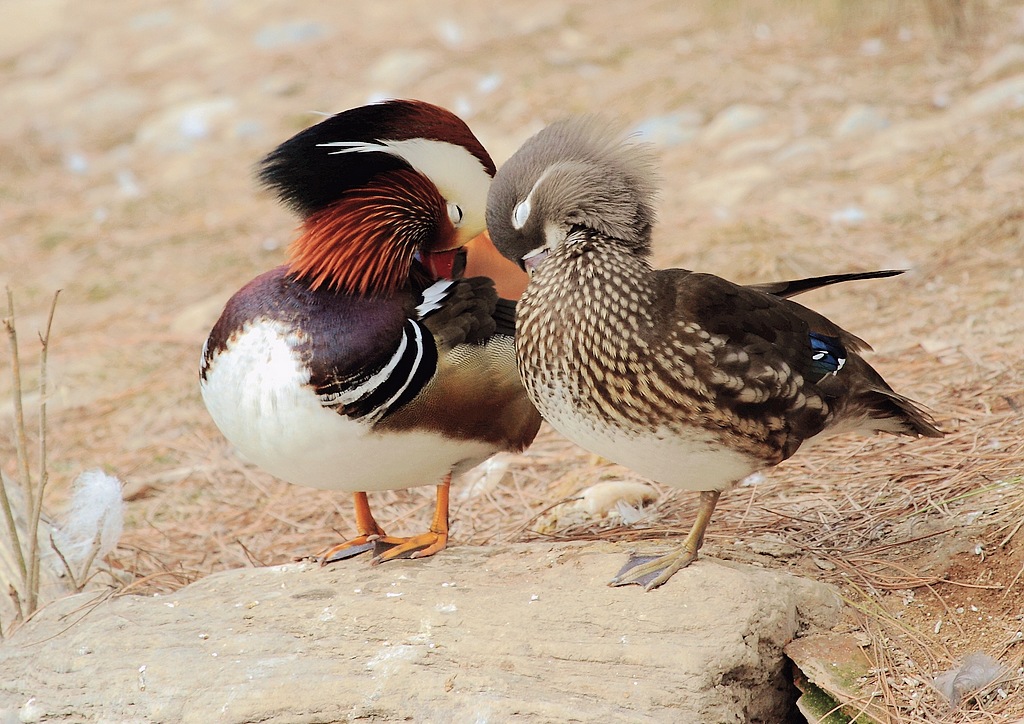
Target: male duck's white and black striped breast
(297,381)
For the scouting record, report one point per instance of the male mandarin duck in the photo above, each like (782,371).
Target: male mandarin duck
(684,377)
(364,363)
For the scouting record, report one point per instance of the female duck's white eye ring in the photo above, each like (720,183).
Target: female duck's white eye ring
(455,214)
(520,214)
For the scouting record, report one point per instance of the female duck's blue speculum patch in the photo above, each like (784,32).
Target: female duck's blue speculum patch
(827,354)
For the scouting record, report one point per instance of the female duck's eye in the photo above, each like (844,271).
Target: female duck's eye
(520,214)
(455,214)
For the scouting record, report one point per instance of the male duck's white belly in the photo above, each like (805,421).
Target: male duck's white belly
(257,393)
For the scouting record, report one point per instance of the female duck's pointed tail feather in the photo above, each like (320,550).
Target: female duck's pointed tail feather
(793,287)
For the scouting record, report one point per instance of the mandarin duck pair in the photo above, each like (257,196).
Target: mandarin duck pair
(371,362)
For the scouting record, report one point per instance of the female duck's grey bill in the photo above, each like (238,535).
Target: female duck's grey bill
(531,261)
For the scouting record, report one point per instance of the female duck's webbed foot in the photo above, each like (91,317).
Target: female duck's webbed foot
(652,571)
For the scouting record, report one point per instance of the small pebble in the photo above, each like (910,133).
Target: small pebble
(127,184)
(848,216)
(489,83)
(76,163)
(671,129)
(295,32)
(734,119)
(860,119)
(872,46)
(450,33)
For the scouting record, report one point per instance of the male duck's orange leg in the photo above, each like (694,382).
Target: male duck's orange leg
(425,544)
(369,533)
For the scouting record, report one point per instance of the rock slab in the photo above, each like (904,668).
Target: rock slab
(524,632)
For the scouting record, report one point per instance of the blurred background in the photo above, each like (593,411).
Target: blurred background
(795,138)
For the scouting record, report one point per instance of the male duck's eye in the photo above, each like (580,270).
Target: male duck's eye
(454,213)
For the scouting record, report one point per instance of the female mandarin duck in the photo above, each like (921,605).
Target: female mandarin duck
(362,364)
(684,377)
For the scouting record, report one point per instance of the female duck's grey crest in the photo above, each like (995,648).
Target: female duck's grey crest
(581,171)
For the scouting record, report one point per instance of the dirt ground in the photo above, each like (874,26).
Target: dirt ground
(796,139)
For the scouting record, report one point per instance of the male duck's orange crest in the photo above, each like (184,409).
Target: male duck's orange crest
(365,242)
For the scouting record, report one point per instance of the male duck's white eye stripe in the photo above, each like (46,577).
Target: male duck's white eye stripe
(457,173)
(520,214)
(354,147)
